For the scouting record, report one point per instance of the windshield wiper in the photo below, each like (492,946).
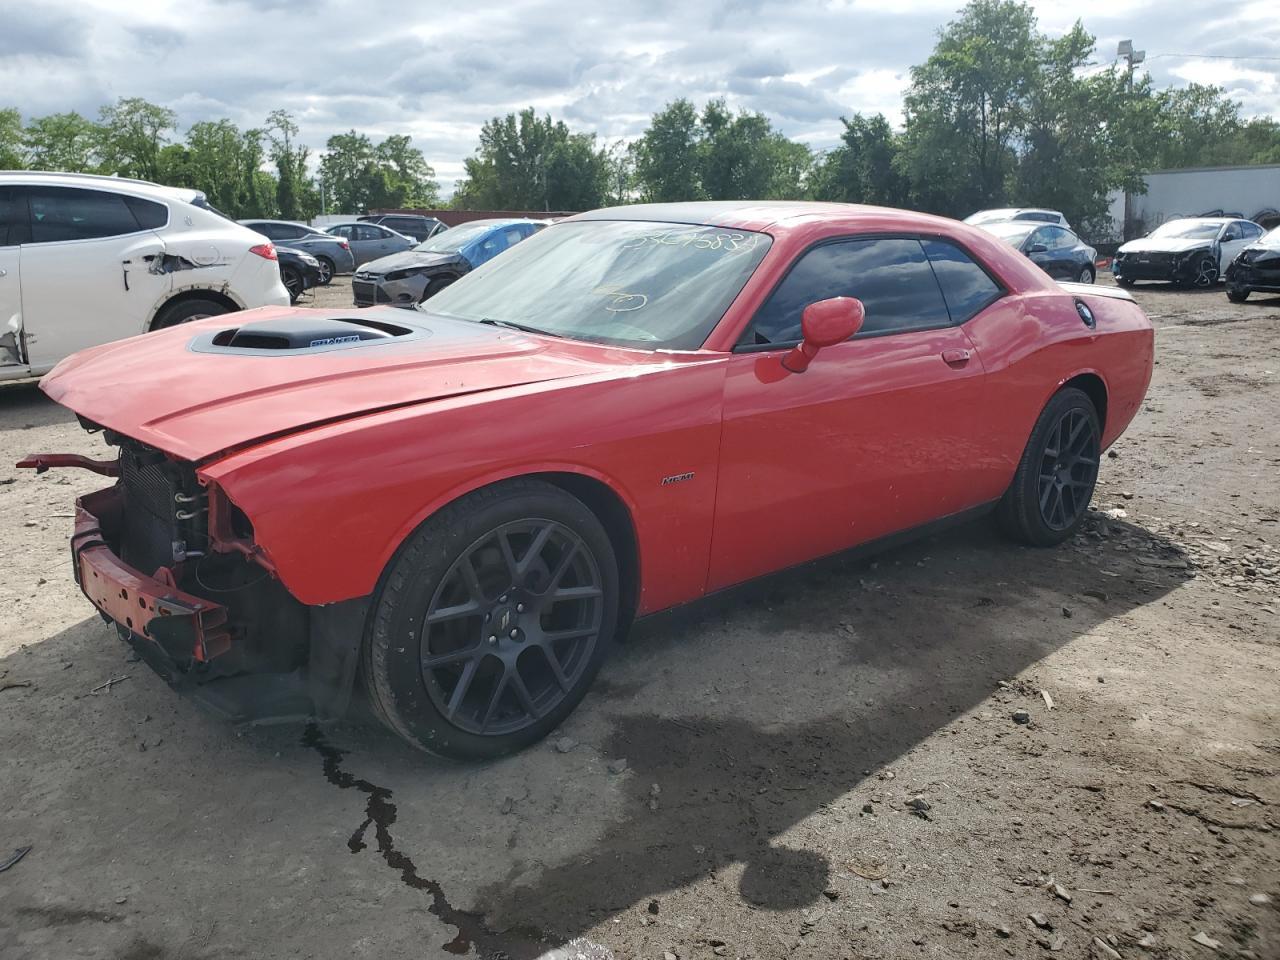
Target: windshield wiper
(523,328)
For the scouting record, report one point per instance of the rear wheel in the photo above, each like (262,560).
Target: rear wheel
(1055,478)
(326,270)
(184,311)
(492,620)
(1086,275)
(1124,281)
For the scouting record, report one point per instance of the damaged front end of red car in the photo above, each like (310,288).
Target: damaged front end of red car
(171,561)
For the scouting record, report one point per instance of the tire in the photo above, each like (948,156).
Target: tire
(1029,511)
(293,282)
(1237,294)
(435,286)
(498,624)
(1086,275)
(1206,274)
(327,270)
(184,311)
(1124,281)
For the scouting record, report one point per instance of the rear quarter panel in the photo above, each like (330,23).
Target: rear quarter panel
(1037,343)
(331,505)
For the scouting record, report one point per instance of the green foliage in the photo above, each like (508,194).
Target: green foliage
(62,141)
(296,196)
(10,139)
(133,132)
(526,162)
(717,156)
(863,168)
(358,176)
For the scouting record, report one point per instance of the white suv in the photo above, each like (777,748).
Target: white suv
(85,260)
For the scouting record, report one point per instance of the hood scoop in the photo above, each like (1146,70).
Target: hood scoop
(303,336)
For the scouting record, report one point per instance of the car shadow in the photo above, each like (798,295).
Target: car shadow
(751,712)
(24,407)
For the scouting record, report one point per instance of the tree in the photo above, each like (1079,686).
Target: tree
(62,141)
(393,175)
(411,180)
(10,139)
(966,107)
(666,155)
(864,168)
(133,131)
(295,196)
(526,162)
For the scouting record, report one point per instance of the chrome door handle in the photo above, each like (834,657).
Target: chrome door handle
(957,357)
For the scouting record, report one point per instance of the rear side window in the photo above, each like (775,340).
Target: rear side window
(366,232)
(13,217)
(67,213)
(1251,230)
(891,276)
(149,214)
(967,288)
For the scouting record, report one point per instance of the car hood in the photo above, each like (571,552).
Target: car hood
(1164,245)
(408,259)
(172,390)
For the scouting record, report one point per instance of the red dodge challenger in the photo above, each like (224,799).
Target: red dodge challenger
(635,408)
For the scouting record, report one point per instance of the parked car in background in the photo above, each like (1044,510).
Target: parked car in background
(412,225)
(1055,250)
(1035,214)
(467,505)
(86,259)
(369,241)
(1192,251)
(1256,268)
(333,253)
(299,271)
(405,279)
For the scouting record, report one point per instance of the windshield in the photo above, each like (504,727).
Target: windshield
(630,283)
(1188,229)
(1012,232)
(451,241)
(1270,239)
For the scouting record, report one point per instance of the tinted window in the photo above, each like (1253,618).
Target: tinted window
(968,288)
(1251,230)
(67,213)
(366,232)
(1036,215)
(149,214)
(1232,232)
(891,277)
(13,217)
(1058,239)
(343,231)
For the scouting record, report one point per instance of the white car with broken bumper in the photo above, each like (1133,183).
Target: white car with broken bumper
(86,259)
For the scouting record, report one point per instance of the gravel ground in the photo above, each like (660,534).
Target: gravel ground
(827,765)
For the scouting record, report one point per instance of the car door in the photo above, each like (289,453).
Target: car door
(875,437)
(13,227)
(88,269)
(1231,241)
(369,242)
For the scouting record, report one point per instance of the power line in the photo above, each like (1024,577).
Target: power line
(1210,56)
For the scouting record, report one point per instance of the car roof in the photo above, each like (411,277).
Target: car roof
(771,215)
(1206,220)
(95,181)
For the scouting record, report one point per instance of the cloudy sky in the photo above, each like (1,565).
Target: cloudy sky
(439,70)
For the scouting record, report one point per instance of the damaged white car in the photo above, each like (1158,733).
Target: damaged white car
(86,259)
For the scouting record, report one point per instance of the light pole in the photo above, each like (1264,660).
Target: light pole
(1133,58)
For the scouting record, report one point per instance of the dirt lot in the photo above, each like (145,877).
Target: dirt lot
(772,741)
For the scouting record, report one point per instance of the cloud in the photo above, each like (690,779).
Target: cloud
(602,65)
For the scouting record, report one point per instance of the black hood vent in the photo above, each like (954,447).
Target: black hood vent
(302,335)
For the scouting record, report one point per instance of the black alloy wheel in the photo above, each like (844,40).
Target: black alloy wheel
(1057,473)
(292,281)
(1236,293)
(1206,274)
(502,608)
(1068,469)
(434,287)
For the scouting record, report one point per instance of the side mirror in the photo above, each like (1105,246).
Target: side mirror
(824,324)
(1037,248)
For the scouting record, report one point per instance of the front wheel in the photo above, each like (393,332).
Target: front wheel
(1124,281)
(326,270)
(492,620)
(1206,274)
(1237,293)
(1086,275)
(292,281)
(1055,478)
(435,286)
